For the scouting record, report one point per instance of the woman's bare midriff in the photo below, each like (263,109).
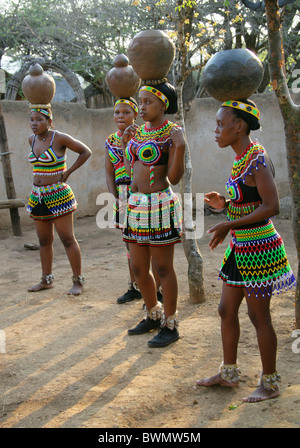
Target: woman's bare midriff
(141,183)
(46,180)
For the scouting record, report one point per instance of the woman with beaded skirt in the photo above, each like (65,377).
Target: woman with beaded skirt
(255,265)
(52,202)
(154,155)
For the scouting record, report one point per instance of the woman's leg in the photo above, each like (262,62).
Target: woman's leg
(132,293)
(140,264)
(45,233)
(163,264)
(65,230)
(230,331)
(259,313)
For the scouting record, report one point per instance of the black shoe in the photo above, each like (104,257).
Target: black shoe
(129,296)
(144,326)
(164,337)
(160,297)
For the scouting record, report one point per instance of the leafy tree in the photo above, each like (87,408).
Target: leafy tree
(86,36)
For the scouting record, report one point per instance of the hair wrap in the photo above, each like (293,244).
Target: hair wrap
(157,93)
(243,107)
(246,110)
(45,111)
(166,93)
(130,101)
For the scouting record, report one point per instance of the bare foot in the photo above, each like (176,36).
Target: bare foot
(215,380)
(76,289)
(261,394)
(40,286)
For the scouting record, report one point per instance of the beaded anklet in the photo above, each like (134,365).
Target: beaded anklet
(171,322)
(155,313)
(48,278)
(230,373)
(270,382)
(79,279)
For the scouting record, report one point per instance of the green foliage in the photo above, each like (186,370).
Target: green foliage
(86,35)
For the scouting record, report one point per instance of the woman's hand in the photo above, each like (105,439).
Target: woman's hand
(129,133)
(64,176)
(220,232)
(215,200)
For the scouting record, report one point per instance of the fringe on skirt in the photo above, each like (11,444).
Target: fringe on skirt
(153,219)
(51,201)
(256,259)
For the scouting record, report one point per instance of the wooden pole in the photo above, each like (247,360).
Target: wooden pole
(8,178)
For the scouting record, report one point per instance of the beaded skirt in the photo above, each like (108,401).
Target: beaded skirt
(153,219)
(51,201)
(123,192)
(256,259)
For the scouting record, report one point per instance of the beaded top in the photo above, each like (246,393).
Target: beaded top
(242,197)
(114,148)
(148,144)
(48,163)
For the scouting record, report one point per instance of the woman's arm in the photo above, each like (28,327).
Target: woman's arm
(126,137)
(176,158)
(110,175)
(83,151)
(269,207)
(216,200)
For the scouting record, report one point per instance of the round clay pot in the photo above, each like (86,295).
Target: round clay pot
(38,87)
(232,74)
(122,80)
(151,54)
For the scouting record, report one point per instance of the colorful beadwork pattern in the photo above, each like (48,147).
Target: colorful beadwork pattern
(114,148)
(51,201)
(148,143)
(153,219)
(260,258)
(130,103)
(259,253)
(252,157)
(157,93)
(48,163)
(243,107)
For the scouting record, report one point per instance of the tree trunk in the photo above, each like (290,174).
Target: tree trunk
(291,117)
(191,249)
(8,178)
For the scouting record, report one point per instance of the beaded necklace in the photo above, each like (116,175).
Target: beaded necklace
(253,155)
(243,164)
(148,143)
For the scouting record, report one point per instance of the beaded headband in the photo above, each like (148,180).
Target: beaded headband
(131,104)
(157,93)
(243,107)
(46,112)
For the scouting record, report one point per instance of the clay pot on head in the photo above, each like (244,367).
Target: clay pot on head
(151,54)
(232,74)
(38,87)
(122,80)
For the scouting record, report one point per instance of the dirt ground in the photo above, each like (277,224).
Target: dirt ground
(67,362)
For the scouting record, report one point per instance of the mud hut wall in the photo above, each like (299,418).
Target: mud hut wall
(211,165)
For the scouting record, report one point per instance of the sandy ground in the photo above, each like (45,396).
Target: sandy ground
(67,362)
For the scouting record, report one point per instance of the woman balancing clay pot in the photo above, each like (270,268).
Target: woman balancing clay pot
(52,202)
(255,265)
(118,181)
(154,155)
